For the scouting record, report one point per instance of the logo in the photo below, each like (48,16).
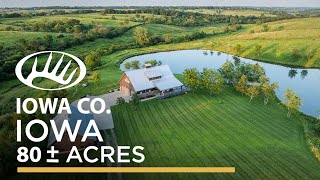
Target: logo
(54,75)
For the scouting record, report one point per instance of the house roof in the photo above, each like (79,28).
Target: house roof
(139,78)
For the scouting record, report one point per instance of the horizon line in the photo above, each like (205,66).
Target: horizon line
(246,6)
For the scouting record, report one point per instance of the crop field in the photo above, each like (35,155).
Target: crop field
(208,131)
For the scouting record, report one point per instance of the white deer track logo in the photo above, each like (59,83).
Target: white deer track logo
(53,75)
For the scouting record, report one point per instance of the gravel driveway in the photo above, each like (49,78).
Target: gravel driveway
(104,120)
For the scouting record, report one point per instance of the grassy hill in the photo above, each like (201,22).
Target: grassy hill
(224,130)
(233,12)
(279,42)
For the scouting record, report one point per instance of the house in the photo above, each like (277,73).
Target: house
(157,81)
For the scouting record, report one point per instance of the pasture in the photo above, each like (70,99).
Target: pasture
(233,12)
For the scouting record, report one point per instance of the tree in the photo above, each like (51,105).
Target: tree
(141,35)
(191,78)
(242,85)
(292,101)
(135,64)
(227,70)
(253,91)
(292,73)
(120,100)
(258,49)
(296,55)
(265,28)
(237,49)
(268,91)
(92,60)
(233,20)
(304,73)
(166,38)
(152,62)
(263,79)
(48,40)
(257,72)
(135,100)
(212,80)
(127,65)
(96,77)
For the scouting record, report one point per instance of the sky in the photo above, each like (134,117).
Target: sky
(262,3)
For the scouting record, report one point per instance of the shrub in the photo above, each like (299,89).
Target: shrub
(120,100)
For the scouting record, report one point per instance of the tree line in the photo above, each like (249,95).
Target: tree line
(46,13)
(60,26)
(10,54)
(188,19)
(247,79)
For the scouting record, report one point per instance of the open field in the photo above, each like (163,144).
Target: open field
(90,18)
(224,130)
(232,12)
(279,42)
(11,37)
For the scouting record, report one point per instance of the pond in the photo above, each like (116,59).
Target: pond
(305,82)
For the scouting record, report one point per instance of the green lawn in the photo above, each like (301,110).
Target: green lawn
(223,130)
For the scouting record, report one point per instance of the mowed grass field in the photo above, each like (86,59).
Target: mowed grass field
(200,130)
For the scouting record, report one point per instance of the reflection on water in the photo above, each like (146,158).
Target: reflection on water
(306,85)
(292,73)
(304,73)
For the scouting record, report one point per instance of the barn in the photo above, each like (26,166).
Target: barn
(149,81)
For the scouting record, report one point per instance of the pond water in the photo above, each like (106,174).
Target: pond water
(305,82)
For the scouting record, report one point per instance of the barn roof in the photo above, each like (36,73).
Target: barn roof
(140,78)
(167,83)
(152,73)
